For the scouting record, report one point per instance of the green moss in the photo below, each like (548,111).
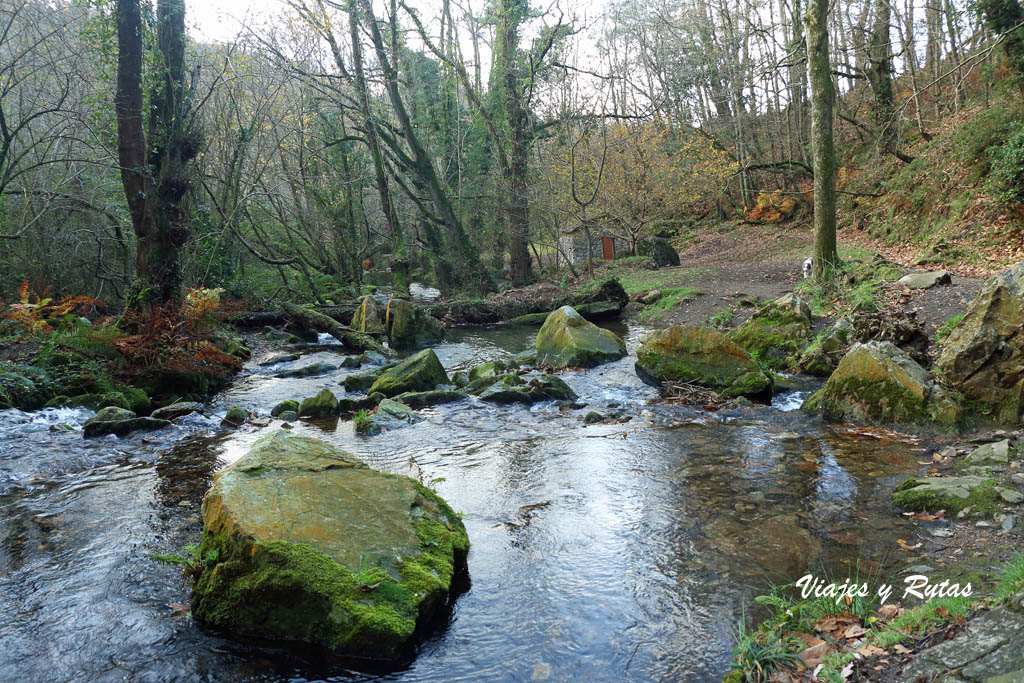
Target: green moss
(362,423)
(292,591)
(983,499)
(284,407)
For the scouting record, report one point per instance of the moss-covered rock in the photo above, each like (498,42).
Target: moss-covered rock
(119,421)
(181,408)
(346,558)
(368,318)
(822,356)
(324,404)
(878,383)
(138,399)
(348,406)
(97,401)
(284,406)
(658,250)
(311,370)
(703,356)
(420,372)
(566,339)
(983,357)
(514,389)
(494,368)
(236,416)
(951,494)
(777,333)
(388,416)
(409,326)
(422,399)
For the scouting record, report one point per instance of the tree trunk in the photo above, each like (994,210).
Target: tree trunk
(351,339)
(880,77)
(826,257)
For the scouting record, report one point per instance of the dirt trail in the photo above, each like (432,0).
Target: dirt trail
(763,262)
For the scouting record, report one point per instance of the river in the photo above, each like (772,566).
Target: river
(620,551)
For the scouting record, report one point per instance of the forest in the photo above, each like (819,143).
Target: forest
(508,340)
(456,145)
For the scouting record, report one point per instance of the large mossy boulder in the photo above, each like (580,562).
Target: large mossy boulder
(777,332)
(878,383)
(420,372)
(409,326)
(567,339)
(303,542)
(367,318)
(658,250)
(704,356)
(983,357)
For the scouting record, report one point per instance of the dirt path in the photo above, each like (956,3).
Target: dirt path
(742,264)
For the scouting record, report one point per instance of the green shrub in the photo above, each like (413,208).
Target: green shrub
(1006,177)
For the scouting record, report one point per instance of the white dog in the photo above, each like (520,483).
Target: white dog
(808,266)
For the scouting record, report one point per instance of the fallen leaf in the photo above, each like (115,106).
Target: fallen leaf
(854,631)
(870,651)
(847,671)
(178,609)
(900,650)
(812,656)
(366,588)
(808,639)
(890,611)
(905,546)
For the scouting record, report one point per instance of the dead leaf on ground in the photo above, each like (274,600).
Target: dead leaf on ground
(812,656)
(906,546)
(890,611)
(900,650)
(854,631)
(870,651)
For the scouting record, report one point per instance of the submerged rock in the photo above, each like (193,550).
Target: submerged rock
(566,339)
(346,558)
(703,356)
(420,372)
(367,318)
(878,383)
(983,356)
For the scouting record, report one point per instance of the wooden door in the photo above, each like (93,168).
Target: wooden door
(608,248)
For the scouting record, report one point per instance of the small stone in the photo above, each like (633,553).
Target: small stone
(593,417)
(289,416)
(918,569)
(236,416)
(941,533)
(1009,521)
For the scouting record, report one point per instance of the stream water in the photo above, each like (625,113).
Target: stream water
(622,551)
